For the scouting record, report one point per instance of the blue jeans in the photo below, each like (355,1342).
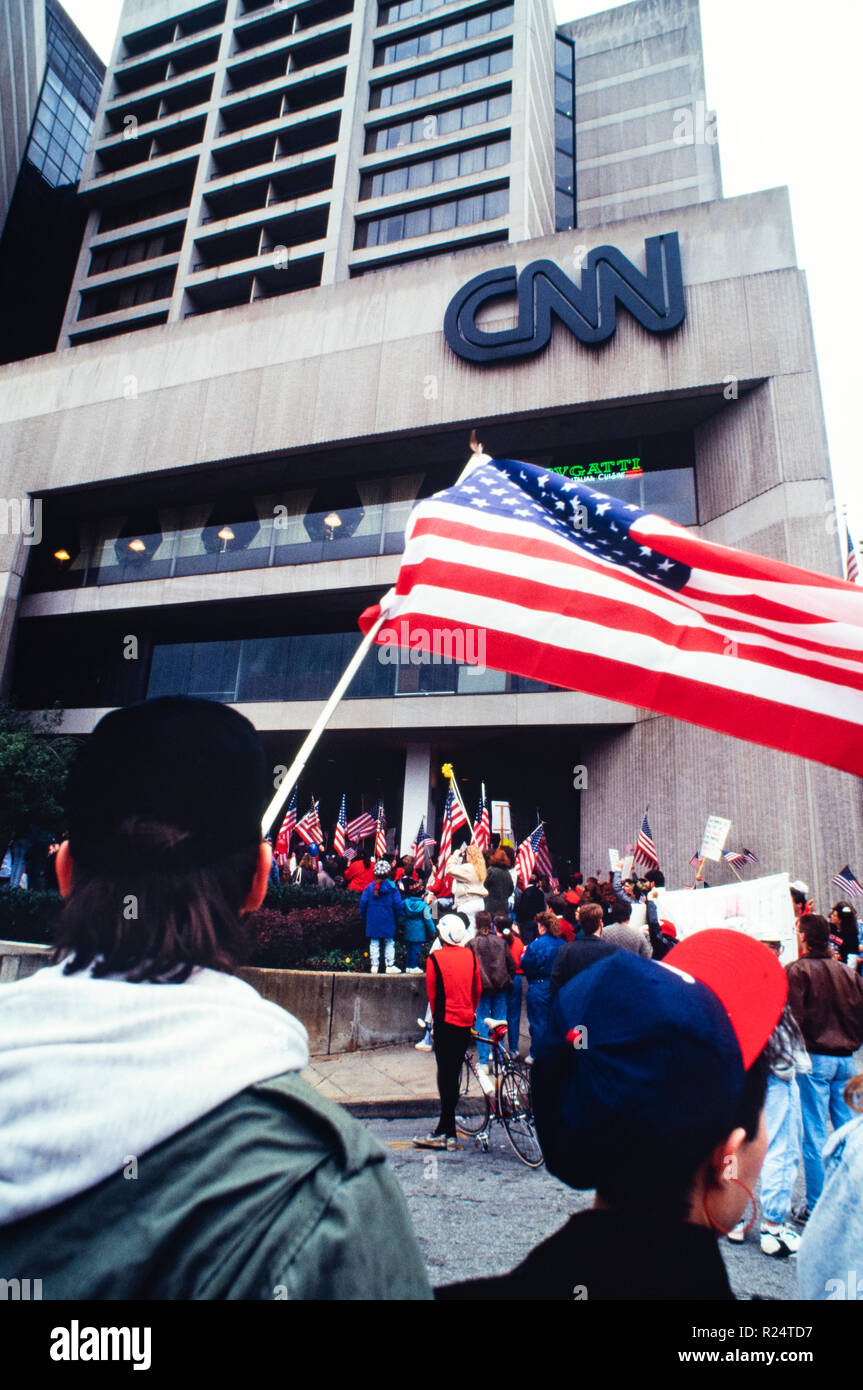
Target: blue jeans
(412,954)
(820,1093)
(491,1005)
(784,1129)
(513,1012)
(375,950)
(538,1004)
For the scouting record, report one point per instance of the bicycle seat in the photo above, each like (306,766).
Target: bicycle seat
(495,1023)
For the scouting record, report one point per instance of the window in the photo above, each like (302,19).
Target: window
(419,44)
(441,79)
(440,123)
(442,217)
(428,171)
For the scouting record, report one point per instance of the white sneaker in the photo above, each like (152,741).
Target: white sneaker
(414,970)
(375,970)
(393,970)
(737,1234)
(423,1047)
(779,1244)
(422,1023)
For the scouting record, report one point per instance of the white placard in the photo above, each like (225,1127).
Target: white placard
(626,871)
(760,907)
(715,834)
(638,916)
(614,859)
(501,819)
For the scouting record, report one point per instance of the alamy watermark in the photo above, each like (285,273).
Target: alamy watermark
(405,645)
(21,516)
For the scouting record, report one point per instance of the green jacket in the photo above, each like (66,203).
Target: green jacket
(275,1194)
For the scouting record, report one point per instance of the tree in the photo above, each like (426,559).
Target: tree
(34,765)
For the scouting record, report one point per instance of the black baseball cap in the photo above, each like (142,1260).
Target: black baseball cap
(195,765)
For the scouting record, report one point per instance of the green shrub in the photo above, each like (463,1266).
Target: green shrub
(28,916)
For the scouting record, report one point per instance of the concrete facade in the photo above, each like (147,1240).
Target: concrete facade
(646,140)
(354,378)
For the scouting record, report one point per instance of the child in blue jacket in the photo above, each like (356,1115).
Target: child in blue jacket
(382,910)
(419,927)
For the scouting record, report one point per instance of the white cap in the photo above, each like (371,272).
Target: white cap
(451,929)
(801,887)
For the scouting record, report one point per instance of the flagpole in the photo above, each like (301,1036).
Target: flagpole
(294,772)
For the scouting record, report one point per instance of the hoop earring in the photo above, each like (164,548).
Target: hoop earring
(748,1227)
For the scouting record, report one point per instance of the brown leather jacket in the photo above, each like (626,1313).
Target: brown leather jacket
(826,999)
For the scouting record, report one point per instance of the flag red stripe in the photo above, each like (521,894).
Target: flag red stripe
(539,597)
(753,718)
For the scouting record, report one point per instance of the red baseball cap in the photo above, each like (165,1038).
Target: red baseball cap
(745,976)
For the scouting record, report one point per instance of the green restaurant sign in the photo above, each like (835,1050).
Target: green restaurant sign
(608,468)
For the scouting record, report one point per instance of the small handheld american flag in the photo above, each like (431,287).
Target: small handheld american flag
(309,828)
(286,830)
(482,829)
(848,883)
(339,840)
(525,858)
(645,850)
(381,832)
(361,826)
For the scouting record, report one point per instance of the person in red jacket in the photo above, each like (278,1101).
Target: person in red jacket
(454,987)
(360,873)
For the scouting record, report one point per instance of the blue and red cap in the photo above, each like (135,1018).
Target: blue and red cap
(644,1062)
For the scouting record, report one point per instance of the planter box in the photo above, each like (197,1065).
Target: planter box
(346,1012)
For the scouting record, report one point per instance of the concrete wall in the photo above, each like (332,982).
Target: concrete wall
(638,67)
(19,959)
(341,1013)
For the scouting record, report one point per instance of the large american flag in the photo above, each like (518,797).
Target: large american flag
(361,826)
(645,850)
(286,830)
(481,836)
(339,840)
(309,828)
(590,593)
(525,859)
(848,883)
(381,832)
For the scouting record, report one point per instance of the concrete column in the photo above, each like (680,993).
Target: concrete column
(415,798)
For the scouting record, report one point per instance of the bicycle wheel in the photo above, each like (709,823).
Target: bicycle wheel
(473,1110)
(516,1111)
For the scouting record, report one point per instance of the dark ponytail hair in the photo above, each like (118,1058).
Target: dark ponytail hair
(151,911)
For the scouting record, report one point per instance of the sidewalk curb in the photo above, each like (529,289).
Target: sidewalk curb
(396,1109)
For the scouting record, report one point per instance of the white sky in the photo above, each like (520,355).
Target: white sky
(784,79)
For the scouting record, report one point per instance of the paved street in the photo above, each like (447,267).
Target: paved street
(480,1213)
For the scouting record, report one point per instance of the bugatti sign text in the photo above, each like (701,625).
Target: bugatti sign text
(653,296)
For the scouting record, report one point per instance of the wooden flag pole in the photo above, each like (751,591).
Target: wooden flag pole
(294,772)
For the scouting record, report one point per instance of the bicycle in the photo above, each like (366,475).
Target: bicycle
(509,1102)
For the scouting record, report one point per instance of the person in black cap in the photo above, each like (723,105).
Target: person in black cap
(650,1089)
(158,1141)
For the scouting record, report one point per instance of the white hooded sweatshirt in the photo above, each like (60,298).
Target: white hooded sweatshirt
(94,1072)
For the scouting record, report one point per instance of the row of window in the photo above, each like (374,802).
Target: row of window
(145,248)
(442,217)
(408,9)
(391,137)
(448,166)
(69,63)
(419,44)
(440,79)
(126,294)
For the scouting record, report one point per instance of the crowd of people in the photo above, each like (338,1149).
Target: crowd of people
(665,1091)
